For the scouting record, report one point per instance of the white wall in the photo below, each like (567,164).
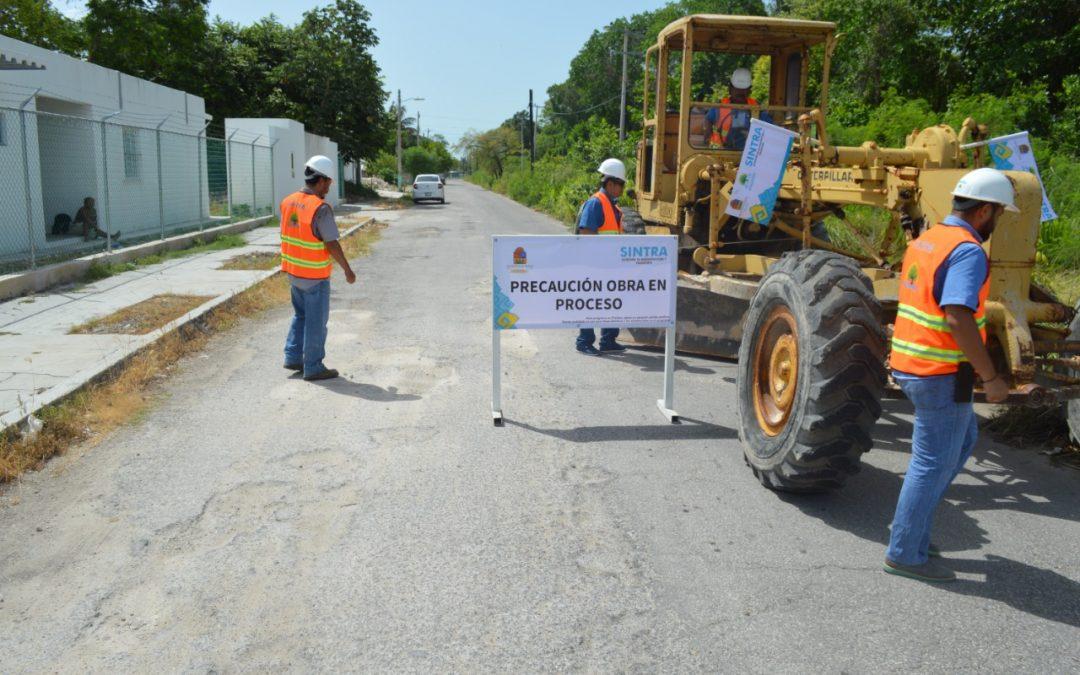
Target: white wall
(287,137)
(321,145)
(67,162)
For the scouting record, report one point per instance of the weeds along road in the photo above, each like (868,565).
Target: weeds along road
(252,521)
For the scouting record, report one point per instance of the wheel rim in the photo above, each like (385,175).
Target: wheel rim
(776,371)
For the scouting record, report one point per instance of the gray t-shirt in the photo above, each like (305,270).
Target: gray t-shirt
(324,228)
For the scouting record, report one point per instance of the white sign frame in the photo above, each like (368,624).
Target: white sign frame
(666,404)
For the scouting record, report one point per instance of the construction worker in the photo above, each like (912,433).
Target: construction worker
(728,127)
(938,346)
(309,238)
(600,215)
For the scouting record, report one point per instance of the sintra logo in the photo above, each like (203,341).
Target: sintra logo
(294,219)
(519,256)
(759,213)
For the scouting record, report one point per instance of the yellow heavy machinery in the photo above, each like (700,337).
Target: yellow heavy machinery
(809,319)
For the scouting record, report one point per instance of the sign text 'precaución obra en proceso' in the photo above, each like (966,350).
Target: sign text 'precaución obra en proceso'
(563,282)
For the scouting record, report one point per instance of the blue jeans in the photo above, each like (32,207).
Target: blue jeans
(943,438)
(306,342)
(587,337)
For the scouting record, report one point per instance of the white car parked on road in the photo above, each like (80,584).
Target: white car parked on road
(428,186)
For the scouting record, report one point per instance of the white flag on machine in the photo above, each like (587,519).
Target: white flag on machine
(764,160)
(1014,153)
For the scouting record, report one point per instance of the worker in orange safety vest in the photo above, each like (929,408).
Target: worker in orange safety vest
(938,347)
(601,215)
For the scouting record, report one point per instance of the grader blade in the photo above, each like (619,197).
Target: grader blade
(708,323)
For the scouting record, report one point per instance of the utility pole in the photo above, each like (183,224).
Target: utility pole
(532,130)
(418,134)
(622,95)
(399,139)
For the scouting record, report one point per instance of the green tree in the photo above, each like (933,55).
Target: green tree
(331,81)
(41,24)
(157,40)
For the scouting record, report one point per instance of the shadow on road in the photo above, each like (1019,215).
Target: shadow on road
(368,392)
(1042,593)
(653,362)
(686,429)
(1005,478)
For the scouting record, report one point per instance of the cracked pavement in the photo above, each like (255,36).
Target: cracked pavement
(252,521)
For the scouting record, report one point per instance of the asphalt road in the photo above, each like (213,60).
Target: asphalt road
(252,521)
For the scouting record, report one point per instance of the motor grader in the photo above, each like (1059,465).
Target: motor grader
(809,319)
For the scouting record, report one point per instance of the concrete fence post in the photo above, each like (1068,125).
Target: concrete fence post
(160,181)
(229,171)
(254,201)
(105,180)
(26,179)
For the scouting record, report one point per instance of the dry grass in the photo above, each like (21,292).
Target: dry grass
(142,317)
(263,260)
(128,390)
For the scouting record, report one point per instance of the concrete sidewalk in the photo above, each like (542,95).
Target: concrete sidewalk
(40,362)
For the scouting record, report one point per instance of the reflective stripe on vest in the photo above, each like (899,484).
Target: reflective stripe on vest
(922,342)
(611,224)
(302,253)
(723,116)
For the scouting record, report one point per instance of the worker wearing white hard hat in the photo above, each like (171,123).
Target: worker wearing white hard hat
(600,214)
(727,127)
(309,240)
(938,348)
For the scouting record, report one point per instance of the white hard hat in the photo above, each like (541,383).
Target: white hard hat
(613,168)
(741,79)
(987,185)
(319,165)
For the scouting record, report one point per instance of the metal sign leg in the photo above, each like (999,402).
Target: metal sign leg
(667,403)
(496,377)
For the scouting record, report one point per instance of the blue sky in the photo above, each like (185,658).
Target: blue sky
(472,62)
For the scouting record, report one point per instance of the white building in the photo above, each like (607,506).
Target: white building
(292,146)
(146,168)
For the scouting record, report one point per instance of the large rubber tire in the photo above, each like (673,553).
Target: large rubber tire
(840,380)
(1072,408)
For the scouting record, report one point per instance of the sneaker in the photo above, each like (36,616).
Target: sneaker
(931,570)
(589,350)
(613,347)
(294,366)
(933,551)
(327,374)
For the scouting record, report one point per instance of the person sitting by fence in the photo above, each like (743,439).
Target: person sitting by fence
(87,216)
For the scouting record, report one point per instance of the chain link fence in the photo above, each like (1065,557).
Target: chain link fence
(71,186)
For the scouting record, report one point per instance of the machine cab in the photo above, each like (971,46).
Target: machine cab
(691,122)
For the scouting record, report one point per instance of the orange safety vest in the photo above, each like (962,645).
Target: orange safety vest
(922,343)
(720,131)
(302,253)
(611,224)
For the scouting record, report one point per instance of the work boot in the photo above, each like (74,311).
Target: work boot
(933,551)
(588,350)
(931,570)
(614,347)
(327,374)
(294,366)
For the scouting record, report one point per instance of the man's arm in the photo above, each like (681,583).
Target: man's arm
(326,229)
(334,248)
(592,217)
(961,322)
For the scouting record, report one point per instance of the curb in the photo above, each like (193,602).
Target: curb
(43,278)
(76,383)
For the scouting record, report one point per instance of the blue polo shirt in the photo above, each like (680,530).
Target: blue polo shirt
(591,216)
(959,279)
